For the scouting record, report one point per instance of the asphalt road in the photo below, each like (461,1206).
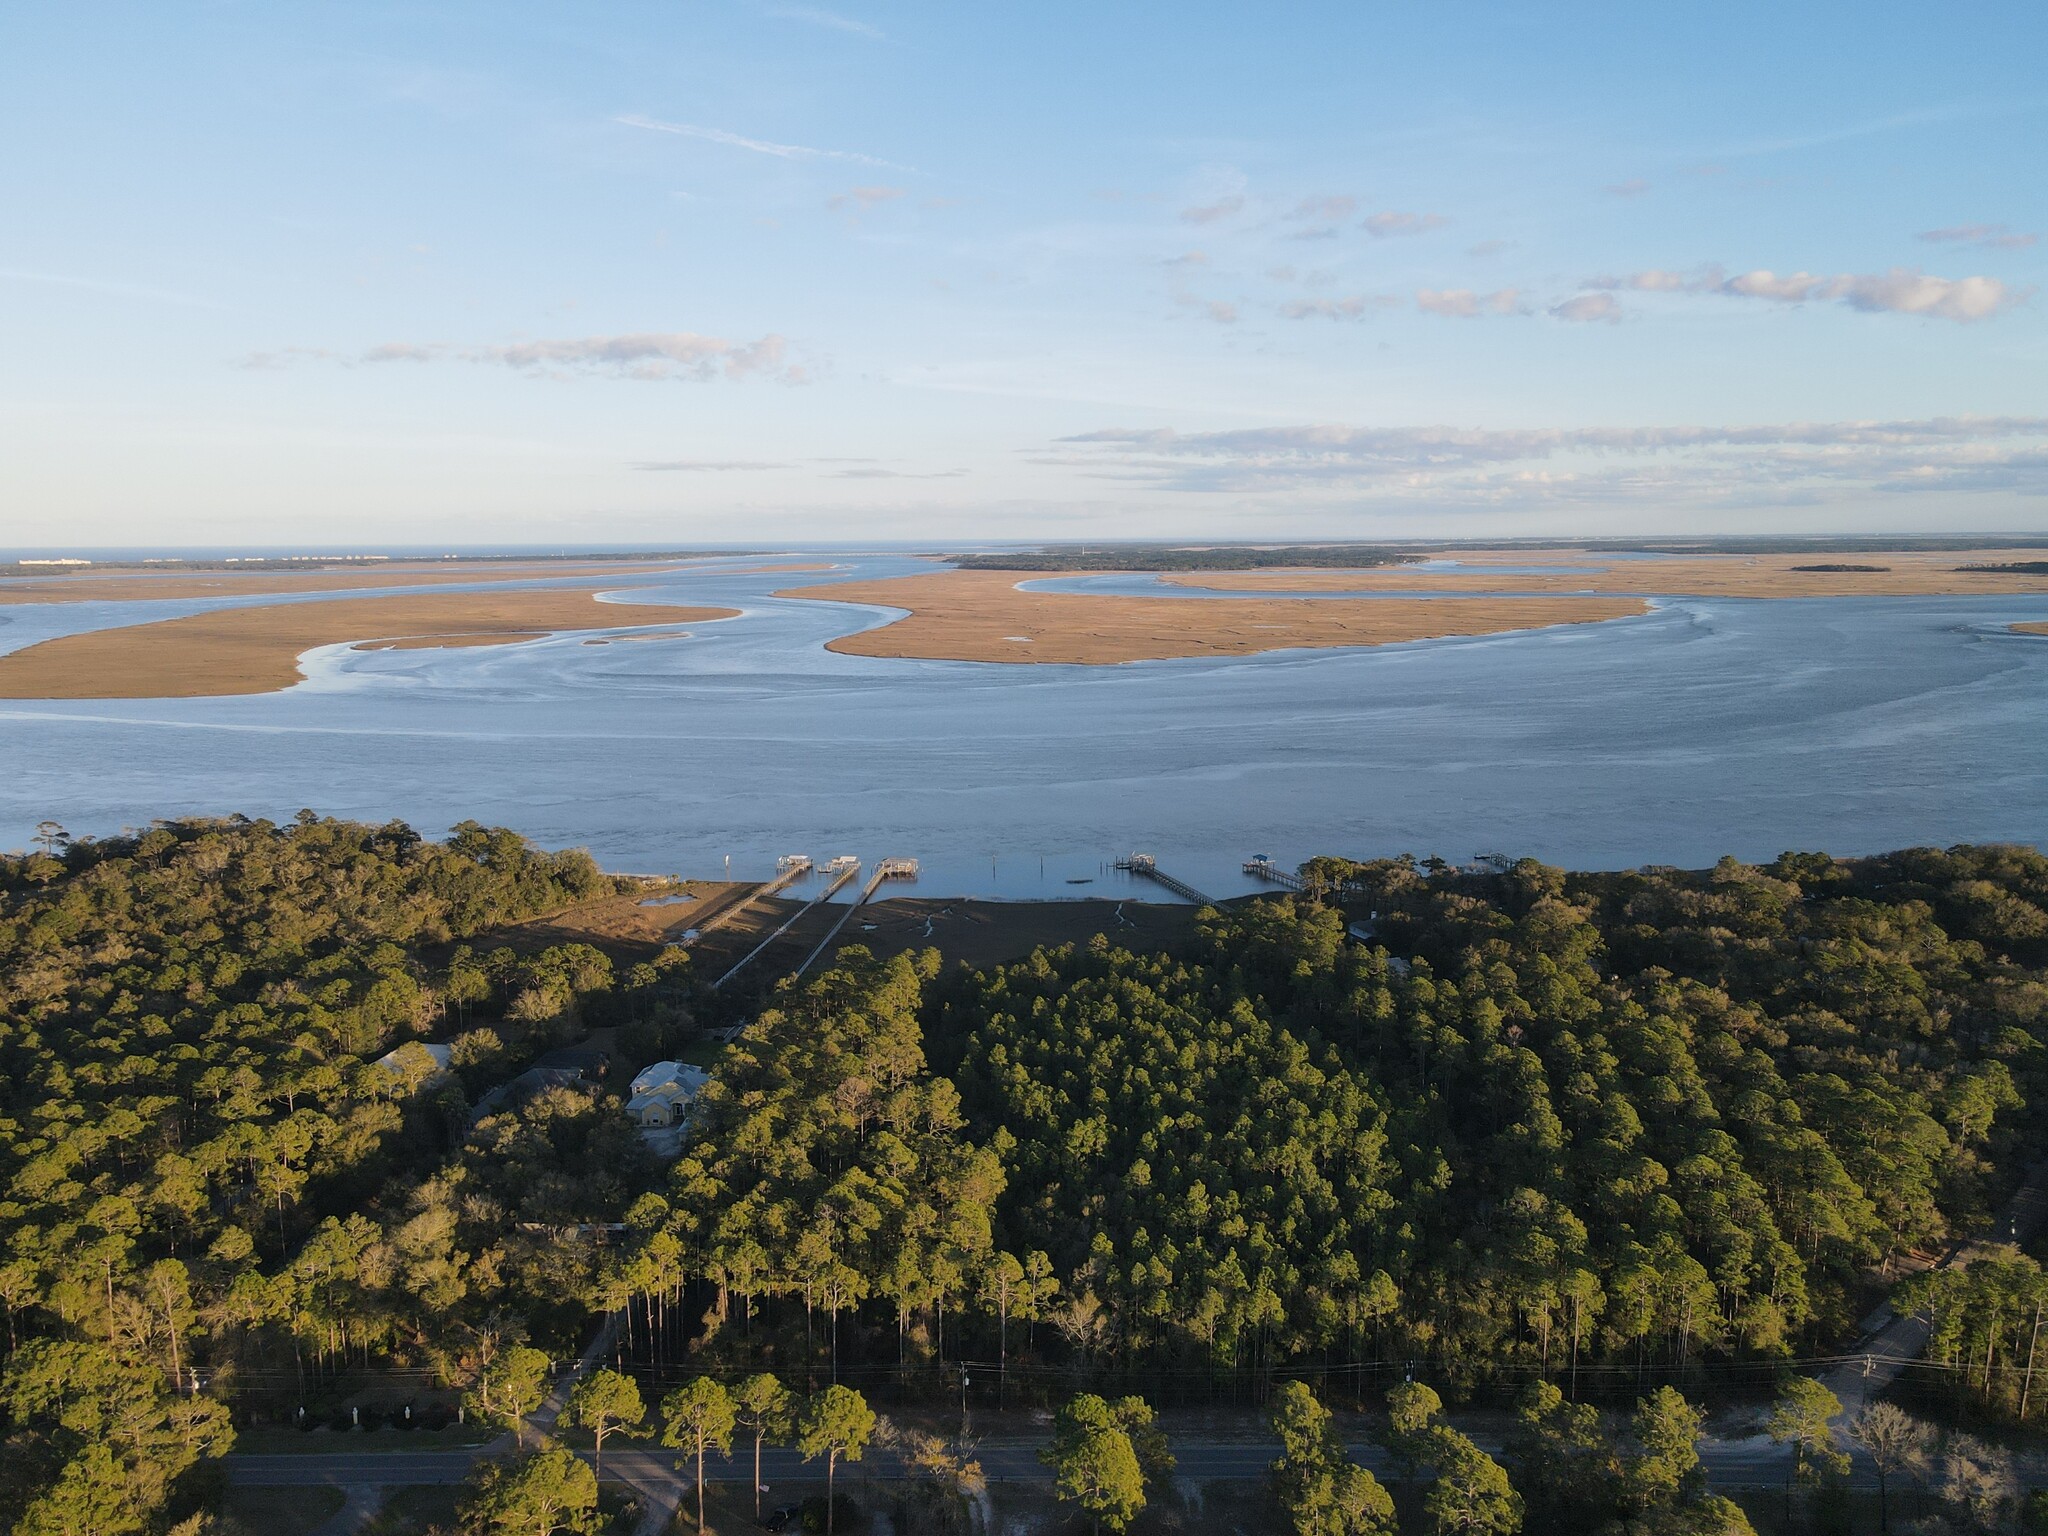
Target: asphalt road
(1730,1464)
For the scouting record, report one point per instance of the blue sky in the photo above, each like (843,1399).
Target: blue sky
(576,273)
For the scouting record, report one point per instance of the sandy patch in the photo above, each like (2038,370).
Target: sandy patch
(2030,629)
(1907,573)
(982,616)
(256,650)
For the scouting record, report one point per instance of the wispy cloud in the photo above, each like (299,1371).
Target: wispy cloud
(1352,307)
(1326,209)
(830,20)
(863,198)
(1210,213)
(1447,465)
(1635,186)
(1187,259)
(1382,225)
(896,474)
(1997,236)
(754,146)
(1464,304)
(708,466)
(1588,308)
(650,355)
(1487,248)
(1901,291)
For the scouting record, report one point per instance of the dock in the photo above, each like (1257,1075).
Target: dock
(1146,867)
(842,870)
(1260,866)
(788,868)
(888,869)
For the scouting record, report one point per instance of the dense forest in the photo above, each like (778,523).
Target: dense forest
(1488,1127)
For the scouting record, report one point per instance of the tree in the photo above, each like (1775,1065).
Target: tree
(1471,1493)
(1411,1409)
(1801,1419)
(1896,1442)
(698,1414)
(512,1386)
(765,1409)
(1565,1464)
(836,1422)
(1319,1487)
(1664,1467)
(535,1495)
(1977,1483)
(602,1402)
(1094,1463)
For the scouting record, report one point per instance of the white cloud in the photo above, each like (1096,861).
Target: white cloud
(756,146)
(831,20)
(1902,290)
(1589,307)
(1464,304)
(1994,235)
(1907,291)
(1324,209)
(1353,307)
(864,198)
(708,466)
(683,355)
(1701,464)
(1381,225)
(1221,311)
(1209,213)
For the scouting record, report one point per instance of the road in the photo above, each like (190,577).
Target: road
(1894,1342)
(1891,1344)
(1009,1459)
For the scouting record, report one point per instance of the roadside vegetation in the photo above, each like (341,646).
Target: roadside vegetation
(1526,1135)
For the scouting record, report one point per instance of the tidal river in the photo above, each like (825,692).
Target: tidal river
(1707,726)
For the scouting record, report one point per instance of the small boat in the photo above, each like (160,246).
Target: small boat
(1084,880)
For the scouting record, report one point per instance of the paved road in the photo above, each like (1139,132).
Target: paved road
(1895,1342)
(1730,1463)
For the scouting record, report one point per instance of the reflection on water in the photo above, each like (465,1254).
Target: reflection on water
(1707,726)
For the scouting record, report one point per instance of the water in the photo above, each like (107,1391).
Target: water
(1708,726)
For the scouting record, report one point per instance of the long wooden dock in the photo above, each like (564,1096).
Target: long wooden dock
(888,869)
(1145,867)
(846,872)
(791,866)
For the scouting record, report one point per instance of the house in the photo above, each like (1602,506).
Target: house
(663,1093)
(417,1062)
(584,1061)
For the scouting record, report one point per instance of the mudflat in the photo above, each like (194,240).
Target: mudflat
(256,650)
(1901,573)
(984,616)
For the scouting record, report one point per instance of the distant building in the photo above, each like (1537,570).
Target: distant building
(663,1094)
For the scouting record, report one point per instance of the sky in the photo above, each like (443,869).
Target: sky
(618,271)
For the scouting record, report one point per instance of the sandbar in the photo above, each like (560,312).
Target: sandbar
(256,650)
(983,616)
(1908,573)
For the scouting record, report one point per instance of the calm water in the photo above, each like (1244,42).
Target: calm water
(1707,726)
